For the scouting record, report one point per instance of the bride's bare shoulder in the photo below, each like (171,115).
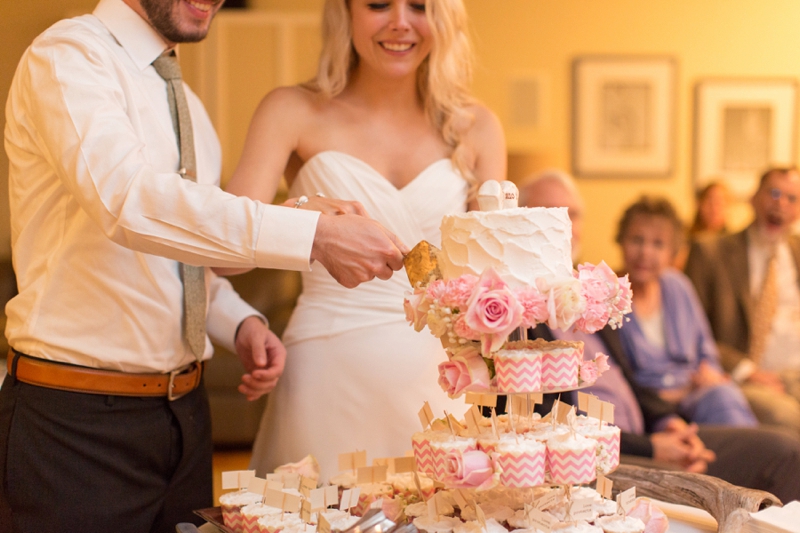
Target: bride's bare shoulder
(293,100)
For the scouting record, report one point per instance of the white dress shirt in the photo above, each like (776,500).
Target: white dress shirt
(782,351)
(99,215)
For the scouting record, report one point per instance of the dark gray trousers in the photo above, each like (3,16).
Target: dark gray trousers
(106,464)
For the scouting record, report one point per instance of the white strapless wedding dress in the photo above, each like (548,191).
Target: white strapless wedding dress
(357,373)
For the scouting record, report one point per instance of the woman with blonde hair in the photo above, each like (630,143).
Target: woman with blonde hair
(389,124)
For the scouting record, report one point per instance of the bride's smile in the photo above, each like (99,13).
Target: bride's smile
(392,38)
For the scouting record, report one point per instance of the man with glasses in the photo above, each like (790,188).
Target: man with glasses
(749,286)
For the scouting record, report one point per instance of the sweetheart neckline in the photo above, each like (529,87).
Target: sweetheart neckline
(369,167)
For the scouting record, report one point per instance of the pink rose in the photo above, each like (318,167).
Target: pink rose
(306,467)
(416,307)
(435,291)
(461,329)
(466,371)
(588,372)
(607,297)
(534,305)
(621,305)
(457,291)
(594,317)
(601,360)
(655,521)
(392,508)
(564,304)
(493,311)
(466,470)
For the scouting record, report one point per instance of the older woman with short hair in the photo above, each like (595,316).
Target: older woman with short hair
(668,337)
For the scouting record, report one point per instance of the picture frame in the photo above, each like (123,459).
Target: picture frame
(623,120)
(741,128)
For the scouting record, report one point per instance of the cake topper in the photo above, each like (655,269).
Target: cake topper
(490,196)
(510,194)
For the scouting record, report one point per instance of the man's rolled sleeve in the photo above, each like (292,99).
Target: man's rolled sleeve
(285,238)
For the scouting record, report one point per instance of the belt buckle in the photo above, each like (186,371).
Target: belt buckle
(171,385)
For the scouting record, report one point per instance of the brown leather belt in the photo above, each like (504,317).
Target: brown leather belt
(62,376)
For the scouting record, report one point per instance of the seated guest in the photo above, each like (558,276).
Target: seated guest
(710,219)
(712,210)
(749,287)
(668,339)
(757,458)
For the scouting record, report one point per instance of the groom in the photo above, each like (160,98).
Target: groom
(104,420)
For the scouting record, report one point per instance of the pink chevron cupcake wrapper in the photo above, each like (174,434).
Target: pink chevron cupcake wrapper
(437,457)
(232,517)
(608,452)
(422,454)
(560,368)
(518,375)
(521,470)
(250,524)
(571,467)
(487,446)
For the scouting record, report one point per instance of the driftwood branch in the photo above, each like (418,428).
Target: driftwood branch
(727,503)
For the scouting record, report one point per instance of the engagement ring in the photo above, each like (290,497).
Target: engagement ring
(300,201)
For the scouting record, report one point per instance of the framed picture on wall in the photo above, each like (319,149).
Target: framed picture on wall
(623,116)
(742,127)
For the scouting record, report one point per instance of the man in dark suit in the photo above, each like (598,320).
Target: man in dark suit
(748,285)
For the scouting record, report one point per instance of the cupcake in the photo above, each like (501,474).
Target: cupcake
(421,445)
(521,462)
(571,459)
(620,524)
(279,522)
(607,438)
(518,367)
(441,446)
(232,503)
(405,487)
(441,524)
(252,513)
(560,362)
(371,492)
(580,527)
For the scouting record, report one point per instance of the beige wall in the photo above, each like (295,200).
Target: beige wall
(708,38)
(539,38)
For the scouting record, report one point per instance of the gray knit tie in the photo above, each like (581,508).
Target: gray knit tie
(194,285)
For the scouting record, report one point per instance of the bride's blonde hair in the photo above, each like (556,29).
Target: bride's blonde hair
(443,78)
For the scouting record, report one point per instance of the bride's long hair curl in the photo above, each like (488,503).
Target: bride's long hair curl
(443,78)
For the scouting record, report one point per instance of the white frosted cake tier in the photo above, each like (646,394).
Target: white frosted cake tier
(521,244)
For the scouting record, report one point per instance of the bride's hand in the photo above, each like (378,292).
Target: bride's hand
(328,206)
(263,356)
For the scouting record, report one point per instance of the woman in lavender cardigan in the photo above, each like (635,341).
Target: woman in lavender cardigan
(668,338)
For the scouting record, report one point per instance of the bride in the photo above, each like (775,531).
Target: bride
(388,122)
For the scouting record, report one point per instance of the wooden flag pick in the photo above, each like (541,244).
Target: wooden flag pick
(237,479)
(604,486)
(372,474)
(625,500)
(323,526)
(404,464)
(425,416)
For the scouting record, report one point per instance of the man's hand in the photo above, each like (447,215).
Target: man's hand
(767,379)
(355,249)
(679,445)
(263,357)
(329,206)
